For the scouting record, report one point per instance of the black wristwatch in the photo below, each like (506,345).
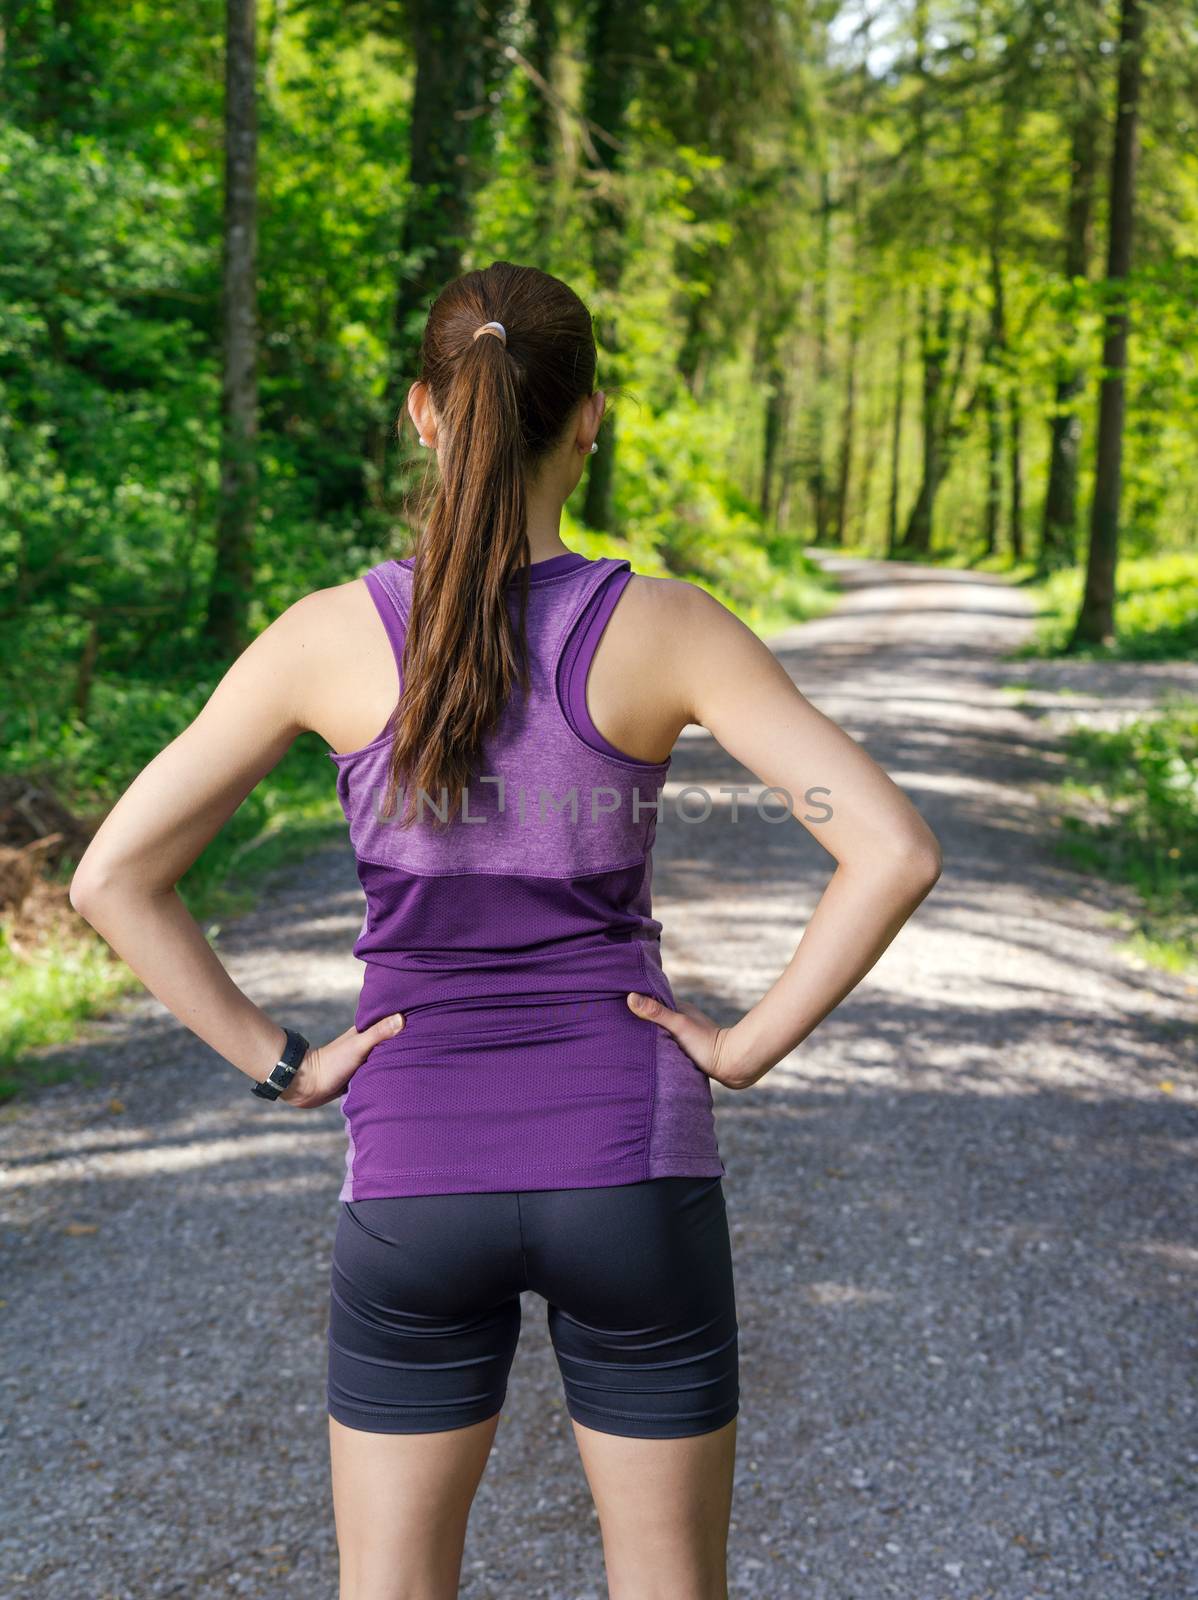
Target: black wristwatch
(285,1068)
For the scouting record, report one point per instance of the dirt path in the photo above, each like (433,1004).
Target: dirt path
(963,1214)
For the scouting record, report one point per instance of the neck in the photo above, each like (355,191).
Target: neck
(543,523)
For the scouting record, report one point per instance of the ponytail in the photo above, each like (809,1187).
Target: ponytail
(501,405)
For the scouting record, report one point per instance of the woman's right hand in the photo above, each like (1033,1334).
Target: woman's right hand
(325,1071)
(709,1046)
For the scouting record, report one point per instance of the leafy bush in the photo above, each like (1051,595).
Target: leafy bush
(1138,785)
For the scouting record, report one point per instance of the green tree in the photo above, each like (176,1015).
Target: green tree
(1096,618)
(226,626)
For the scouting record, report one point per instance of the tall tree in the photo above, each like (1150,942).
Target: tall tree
(1015,466)
(543,30)
(1096,617)
(934,333)
(992,365)
(896,430)
(770,362)
(997,371)
(735,89)
(871,453)
(817,470)
(848,420)
(232,575)
(1058,535)
(456,53)
(614,42)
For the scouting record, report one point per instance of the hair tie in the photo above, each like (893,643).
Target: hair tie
(497,328)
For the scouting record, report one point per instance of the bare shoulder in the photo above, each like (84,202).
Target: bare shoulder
(318,652)
(323,614)
(697,641)
(665,612)
(319,633)
(680,604)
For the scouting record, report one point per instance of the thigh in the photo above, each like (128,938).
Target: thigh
(401,1504)
(642,1315)
(664,1508)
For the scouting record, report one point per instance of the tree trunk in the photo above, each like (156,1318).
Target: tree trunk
(227,620)
(875,422)
(896,432)
(933,345)
(848,426)
(774,423)
(818,478)
(85,672)
(614,40)
(790,447)
(1015,466)
(856,292)
(994,364)
(449,137)
(993,467)
(542,120)
(1058,537)
(942,425)
(1096,618)
(919,519)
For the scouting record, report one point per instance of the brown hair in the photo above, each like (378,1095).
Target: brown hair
(501,408)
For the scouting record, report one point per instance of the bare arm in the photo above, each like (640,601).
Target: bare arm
(126,883)
(887,858)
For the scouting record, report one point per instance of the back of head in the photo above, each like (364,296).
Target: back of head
(502,404)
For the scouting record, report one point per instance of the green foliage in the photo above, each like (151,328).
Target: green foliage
(693,521)
(1136,793)
(104,402)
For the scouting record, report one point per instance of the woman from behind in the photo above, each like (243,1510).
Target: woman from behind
(527,1107)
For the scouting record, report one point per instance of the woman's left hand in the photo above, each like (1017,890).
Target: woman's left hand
(325,1071)
(709,1046)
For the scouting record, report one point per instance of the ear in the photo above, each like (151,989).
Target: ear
(421,411)
(589,418)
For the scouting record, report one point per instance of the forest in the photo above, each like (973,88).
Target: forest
(914,279)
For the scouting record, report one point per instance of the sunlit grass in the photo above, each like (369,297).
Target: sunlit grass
(1131,815)
(43,1000)
(1156,611)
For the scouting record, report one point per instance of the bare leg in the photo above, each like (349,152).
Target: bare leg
(664,1507)
(400,1502)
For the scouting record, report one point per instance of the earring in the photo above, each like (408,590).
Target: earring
(423,440)
(594,446)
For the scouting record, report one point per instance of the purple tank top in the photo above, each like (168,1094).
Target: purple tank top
(510,940)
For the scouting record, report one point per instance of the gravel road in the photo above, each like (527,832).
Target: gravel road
(963,1211)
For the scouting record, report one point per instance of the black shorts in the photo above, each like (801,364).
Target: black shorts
(425,1306)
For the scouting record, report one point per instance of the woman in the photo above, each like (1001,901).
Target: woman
(527,1106)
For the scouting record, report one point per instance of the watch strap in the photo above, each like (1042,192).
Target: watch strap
(284,1069)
